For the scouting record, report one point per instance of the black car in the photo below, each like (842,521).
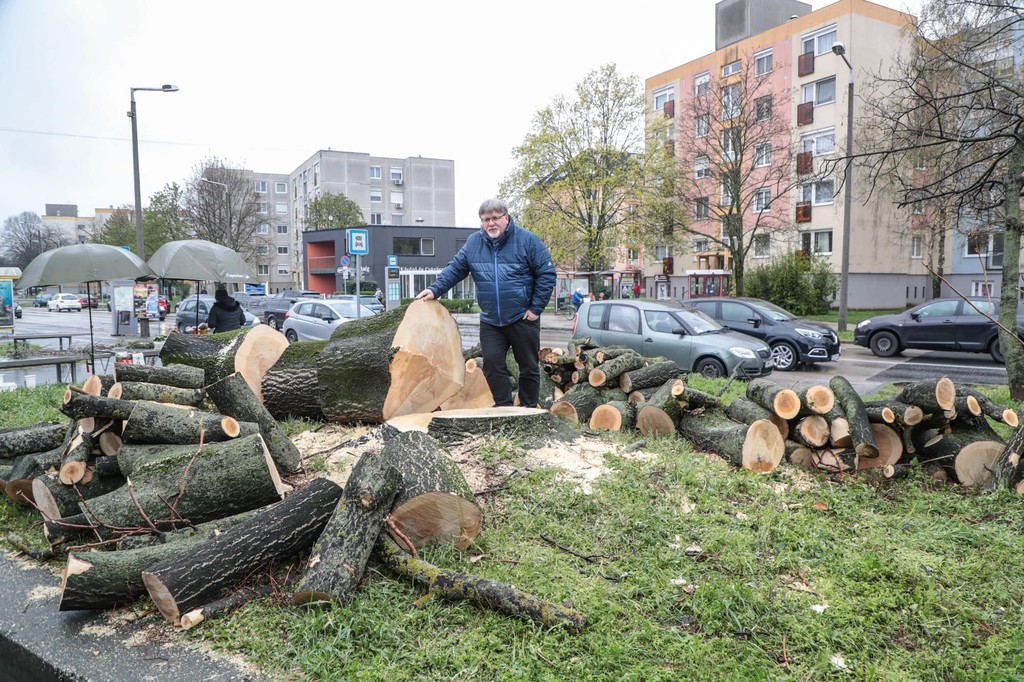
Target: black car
(949,324)
(793,340)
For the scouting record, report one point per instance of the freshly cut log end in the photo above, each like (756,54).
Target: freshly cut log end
(890,448)
(976,461)
(93,385)
(615,416)
(20,491)
(763,447)
(438,517)
(565,410)
(72,472)
(162,597)
(475,392)
(819,399)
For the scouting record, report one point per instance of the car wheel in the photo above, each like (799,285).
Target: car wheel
(885,344)
(996,352)
(785,356)
(291,336)
(711,368)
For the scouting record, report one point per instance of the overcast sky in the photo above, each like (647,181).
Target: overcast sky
(266,84)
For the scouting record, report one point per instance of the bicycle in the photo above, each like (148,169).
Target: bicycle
(568,311)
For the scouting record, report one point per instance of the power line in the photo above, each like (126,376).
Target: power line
(47,133)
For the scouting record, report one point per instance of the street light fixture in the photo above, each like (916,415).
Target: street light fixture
(844,261)
(139,241)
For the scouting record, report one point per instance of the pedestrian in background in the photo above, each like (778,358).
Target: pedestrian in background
(514,278)
(636,290)
(226,314)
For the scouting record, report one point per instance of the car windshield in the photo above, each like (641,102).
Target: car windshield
(772,311)
(697,321)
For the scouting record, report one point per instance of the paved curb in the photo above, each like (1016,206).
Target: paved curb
(38,643)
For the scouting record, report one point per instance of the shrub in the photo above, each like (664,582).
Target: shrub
(801,285)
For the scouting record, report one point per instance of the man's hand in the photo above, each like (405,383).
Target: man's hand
(530,316)
(426,295)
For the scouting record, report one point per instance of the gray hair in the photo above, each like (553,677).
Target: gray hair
(493,206)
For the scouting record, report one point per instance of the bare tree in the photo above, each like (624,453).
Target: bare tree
(958,102)
(735,151)
(25,236)
(221,205)
(586,169)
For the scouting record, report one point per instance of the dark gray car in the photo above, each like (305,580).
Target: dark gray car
(685,335)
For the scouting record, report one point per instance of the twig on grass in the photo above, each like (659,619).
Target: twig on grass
(591,558)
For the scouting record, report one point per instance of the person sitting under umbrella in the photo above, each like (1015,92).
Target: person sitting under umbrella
(226,314)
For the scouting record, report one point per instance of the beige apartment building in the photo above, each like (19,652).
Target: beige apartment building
(784,61)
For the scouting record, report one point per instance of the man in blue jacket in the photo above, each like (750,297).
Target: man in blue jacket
(514,279)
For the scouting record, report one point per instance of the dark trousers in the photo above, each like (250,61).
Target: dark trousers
(523,337)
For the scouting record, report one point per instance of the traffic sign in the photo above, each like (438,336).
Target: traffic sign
(358,242)
(341,270)
(392,261)
(344,261)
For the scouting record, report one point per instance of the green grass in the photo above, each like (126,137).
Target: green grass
(920,582)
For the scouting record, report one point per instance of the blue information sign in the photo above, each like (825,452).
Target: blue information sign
(392,261)
(358,242)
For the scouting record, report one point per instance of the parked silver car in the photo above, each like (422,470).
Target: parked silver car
(689,337)
(317,320)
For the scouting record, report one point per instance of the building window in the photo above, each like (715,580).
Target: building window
(701,83)
(397,199)
(918,207)
(261,187)
(701,244)
(730,143)
(263,270)
(702,167)
(818,243)
(732,101)
(820,92)
(376,196)
(917,246)
(280,187)
(701,208)
(762,246)
(819,142)
(820,42)
(763,62)
(731,68)
(396,176)
(263,228)
(988,247)
(396,219)
(762,199)
(763,108)
(763,155)
(662,97)
(663,252)
(412,246)
(261,207)
(262,250)
(282,250)
(282,229)
(703,125)
(375,172)
(281,208)
(726,194)
(375,219)
(282,270)
(818,193)
(981,288)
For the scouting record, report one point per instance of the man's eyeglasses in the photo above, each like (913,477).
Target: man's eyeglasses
(492,219)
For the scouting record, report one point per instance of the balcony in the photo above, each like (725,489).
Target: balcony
(804,163)
(805,64)
(805,113)
(322,265)
(803,211)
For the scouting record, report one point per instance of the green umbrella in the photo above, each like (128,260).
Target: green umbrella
(86,263)
(201,260)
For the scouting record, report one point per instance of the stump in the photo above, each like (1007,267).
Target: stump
(191,578)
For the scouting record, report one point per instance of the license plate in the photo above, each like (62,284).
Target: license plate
(835,357)
(769,363)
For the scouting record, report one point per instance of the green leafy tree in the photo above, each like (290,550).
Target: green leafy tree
(119,229)
(333,211)
(587,170)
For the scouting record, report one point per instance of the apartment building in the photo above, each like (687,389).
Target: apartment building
(762,152)
(279,258)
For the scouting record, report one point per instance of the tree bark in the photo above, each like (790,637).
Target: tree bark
(651,376)
(158,423)
(78,405)
(339,557)
(25,440)
(856,415)
(103,580)
(660,414)
(782,401)
(191,578)
(608,373)
(182,376)
(745,410)
(291,388)
(234,398)
(56,500)
(1007,466)
(932,395)
(578,403)
(757,446)
(455,586)
(990,407)
(157,393)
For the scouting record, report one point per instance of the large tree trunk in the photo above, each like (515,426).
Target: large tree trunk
(191,578)
(456,586)
(102,580)
(209,484)
(435,503)
(56,500)
(339,557)
(182,376)
(291,387)
(234,398)
(405,361)
(250,351)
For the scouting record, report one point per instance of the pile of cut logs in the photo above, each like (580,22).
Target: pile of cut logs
(167,498)
(931,423)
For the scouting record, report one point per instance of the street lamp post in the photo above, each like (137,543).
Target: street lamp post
(844,262)
(139,240)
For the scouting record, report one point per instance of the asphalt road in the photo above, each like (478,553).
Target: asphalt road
(865,371)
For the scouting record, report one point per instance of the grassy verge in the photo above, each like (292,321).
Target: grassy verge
(697,572)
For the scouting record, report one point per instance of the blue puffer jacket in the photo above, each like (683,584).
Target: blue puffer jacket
(513,274)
